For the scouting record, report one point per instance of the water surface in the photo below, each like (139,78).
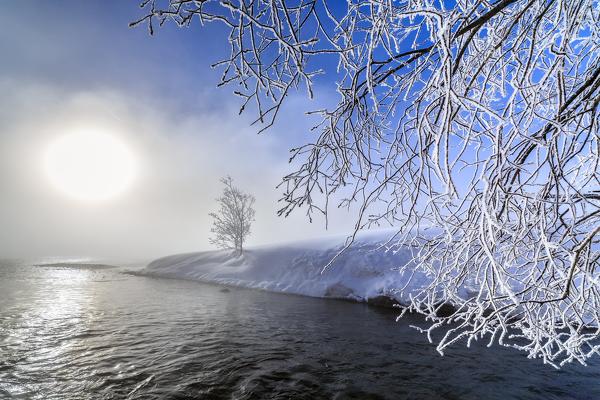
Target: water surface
(85,333)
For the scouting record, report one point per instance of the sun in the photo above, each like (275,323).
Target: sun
(89,165)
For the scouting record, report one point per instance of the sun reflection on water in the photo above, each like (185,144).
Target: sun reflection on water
(49,317)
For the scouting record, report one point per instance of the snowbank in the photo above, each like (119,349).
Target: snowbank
(365,272)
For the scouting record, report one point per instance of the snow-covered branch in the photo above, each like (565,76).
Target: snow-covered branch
(477,118)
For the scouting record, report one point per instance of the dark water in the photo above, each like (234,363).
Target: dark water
(70,333)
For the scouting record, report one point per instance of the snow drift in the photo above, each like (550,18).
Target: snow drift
(367,271)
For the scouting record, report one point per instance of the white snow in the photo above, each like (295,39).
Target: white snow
(364,271)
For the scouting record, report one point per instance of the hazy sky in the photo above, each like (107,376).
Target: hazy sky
(72,65)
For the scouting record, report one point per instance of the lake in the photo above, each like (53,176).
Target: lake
(97,333)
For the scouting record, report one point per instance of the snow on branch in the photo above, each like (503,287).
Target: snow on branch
(478,118)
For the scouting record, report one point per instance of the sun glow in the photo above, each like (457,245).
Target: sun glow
(89,165)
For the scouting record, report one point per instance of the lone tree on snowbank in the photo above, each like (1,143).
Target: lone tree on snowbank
(231,224)
(477,117)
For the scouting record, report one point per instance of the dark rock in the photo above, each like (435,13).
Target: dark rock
(382,301)
(445,310)
(339,291)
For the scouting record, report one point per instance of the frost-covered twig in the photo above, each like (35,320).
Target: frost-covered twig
(479,118)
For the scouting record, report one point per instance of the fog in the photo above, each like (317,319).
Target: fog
(69,72)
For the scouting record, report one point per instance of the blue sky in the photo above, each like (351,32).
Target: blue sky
(88,44)
(72,64)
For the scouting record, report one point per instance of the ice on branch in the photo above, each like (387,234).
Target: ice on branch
(480,118)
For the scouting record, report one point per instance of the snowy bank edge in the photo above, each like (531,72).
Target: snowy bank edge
(363,273)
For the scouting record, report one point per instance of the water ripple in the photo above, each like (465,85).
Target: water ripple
(73,333)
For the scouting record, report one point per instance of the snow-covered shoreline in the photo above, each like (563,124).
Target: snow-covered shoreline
(364,272)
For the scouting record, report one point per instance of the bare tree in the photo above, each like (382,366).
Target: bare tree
(474,117)
(231,224)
